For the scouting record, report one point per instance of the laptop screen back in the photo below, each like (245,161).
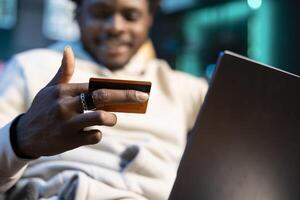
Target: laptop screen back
(246,141)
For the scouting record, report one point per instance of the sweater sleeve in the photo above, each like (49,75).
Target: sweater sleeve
(194,92)
(197,95)
(12,103)
(11,167)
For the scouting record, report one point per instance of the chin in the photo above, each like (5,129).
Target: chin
(112,62)
(115,65)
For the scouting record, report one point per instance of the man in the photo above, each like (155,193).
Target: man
(43,153)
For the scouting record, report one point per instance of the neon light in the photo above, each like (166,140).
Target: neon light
(260,26)
(260,35)
(254,4)
(8,14)
(193,29)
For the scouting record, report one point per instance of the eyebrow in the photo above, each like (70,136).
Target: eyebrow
(96,4)
(101,3)
(130,3)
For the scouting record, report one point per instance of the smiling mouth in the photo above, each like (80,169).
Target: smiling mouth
(114,48)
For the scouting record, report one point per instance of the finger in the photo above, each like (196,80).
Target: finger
(90,137)
(70,106)
(84,138)
(100,97)
(66,70)
(100,118)
(73,89)
(108,97)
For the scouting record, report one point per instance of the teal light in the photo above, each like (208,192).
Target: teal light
(195,24)
(260,35)
(260,29)
(254,4)
(8,14)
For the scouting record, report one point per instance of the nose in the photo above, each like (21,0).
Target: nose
(115,24)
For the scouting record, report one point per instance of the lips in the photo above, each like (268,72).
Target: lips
(114,50)
(114,47)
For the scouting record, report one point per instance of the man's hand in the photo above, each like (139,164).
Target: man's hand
(55,121)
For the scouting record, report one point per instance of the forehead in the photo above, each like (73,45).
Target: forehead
(117,3)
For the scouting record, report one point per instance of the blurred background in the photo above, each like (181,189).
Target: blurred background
(189,34)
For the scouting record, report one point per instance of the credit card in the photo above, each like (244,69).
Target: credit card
(116,84)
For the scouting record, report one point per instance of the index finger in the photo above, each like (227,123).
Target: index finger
(73,89)
(103,97)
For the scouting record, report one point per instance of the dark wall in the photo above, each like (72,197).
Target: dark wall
(286,41)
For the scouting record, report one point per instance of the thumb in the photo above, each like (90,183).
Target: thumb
(66,70)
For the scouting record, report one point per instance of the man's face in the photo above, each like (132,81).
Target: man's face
(113,30)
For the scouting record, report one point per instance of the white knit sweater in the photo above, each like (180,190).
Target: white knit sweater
(156,139)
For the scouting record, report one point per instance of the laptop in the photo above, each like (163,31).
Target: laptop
(245,144)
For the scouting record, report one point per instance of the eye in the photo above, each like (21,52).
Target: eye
(131,15)
(100,13)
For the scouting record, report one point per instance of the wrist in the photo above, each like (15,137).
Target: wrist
(18,146)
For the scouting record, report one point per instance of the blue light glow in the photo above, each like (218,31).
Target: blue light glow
(254,4)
